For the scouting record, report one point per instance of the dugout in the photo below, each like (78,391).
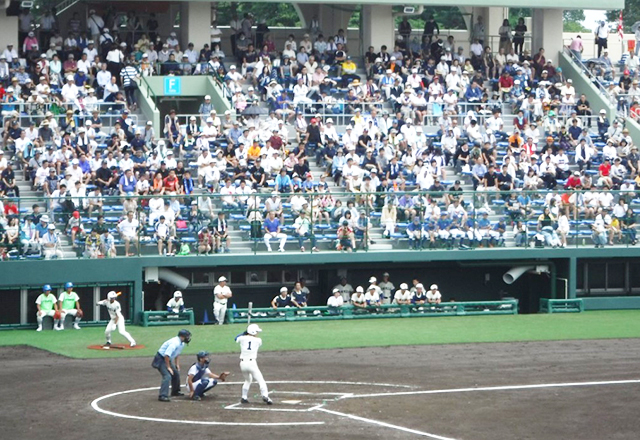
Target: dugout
(604,278)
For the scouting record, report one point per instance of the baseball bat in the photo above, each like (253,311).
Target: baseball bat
(249,314)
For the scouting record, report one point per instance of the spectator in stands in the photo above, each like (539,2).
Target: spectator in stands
(129,228)
(272,229)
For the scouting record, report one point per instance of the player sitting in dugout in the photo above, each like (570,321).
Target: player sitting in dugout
(176,304)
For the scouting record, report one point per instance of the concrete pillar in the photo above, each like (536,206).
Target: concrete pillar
(378,27)
(332,19)
(8,30)
(195,24)
(307,11)
(493,18)
(547,32)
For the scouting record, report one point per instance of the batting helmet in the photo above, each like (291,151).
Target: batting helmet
(112,295)
(68,285)
(46,288)
(186,334)
(253,329)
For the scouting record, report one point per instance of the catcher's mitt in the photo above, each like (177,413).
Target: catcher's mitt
(223,376)
(57,315)
(79,313)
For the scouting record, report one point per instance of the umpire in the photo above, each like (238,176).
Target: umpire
(167,362)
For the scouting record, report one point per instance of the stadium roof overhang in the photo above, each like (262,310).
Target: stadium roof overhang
(541,4)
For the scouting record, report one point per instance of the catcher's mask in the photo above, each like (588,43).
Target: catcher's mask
(203,355)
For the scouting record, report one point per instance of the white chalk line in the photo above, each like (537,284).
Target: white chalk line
(495,388)
(95,405)
(383,424)
(240,407)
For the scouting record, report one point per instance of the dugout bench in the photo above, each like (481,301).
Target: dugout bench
(561,305)
(153,318)
(323,313)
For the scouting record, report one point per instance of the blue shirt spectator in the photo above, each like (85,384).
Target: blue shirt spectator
(272,225)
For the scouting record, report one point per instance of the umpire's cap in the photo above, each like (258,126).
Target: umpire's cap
(186,334)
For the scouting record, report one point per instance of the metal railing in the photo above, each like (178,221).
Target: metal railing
(389,221)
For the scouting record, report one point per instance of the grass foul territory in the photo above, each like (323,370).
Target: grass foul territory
(347,334)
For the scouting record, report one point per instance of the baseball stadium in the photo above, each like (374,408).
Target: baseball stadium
(355,219)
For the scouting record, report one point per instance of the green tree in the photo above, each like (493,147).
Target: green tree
(630,14)
(275,14)
(572,19)
(516,13)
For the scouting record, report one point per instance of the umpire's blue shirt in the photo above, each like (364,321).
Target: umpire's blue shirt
(172,348)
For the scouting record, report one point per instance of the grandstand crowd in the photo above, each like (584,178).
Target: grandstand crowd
(420,137)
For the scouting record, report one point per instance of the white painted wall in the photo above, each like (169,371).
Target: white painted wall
(8,30)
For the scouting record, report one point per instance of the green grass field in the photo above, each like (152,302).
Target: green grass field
(347,334)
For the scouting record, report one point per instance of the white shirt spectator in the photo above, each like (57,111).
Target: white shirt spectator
(128,228)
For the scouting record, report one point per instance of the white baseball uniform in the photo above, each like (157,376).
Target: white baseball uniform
(194,371)
(67,299)
(175,304)
(434,296)
(46,301)
(220,304)
(116,322)
(249,346)
(402,296)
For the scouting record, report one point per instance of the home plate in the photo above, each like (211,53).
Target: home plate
(291,402)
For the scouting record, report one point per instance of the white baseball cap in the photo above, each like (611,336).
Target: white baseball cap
(283,289)
(373,279)
(404,286)
(177,294)
(253,329)
(207,96)
(419,286)
(434,287)
(359,289)
(221,279)
(336,290)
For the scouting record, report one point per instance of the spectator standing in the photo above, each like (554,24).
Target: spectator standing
(505,34)
(95,24)
(602,36)
(129,76)
(577,47)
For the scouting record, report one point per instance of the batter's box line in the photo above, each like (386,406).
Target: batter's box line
(239,406)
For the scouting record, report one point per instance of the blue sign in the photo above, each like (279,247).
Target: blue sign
(173,85)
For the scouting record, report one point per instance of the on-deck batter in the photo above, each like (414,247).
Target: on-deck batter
(221,294)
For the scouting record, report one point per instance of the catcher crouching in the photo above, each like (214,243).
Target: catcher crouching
(200,378)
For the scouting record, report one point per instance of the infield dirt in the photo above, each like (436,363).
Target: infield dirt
(49,396)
